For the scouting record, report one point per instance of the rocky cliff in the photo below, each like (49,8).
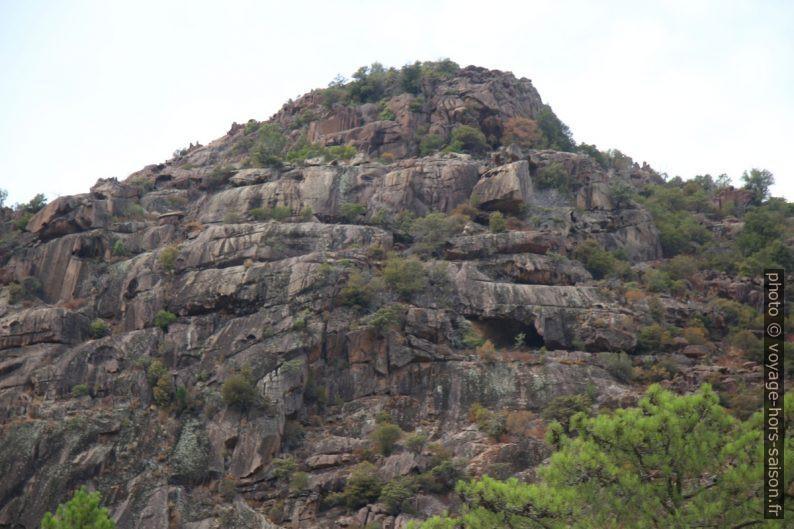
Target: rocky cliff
(269,301)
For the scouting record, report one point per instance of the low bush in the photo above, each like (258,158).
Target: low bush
(395,494)
(284,467)
(353,211)
(389,316)
(562,408)
(163,319)
(468,139)
(553,176)
(430,143)
(79,390)
(432,231)
(416,442)
(385,437)
(653,338)
(357,292)
(119,249)
(167,257)
(99,328)
(496,222)
(618,365)
(518,421)
(472,337)
(406,277)
(599,262)
(239,392)
(487,421)
(299,482)
(362,487)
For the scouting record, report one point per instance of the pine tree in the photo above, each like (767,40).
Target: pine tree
(81,512)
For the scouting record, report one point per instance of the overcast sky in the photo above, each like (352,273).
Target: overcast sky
(93,89)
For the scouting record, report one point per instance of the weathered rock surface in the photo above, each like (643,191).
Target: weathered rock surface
(158,291)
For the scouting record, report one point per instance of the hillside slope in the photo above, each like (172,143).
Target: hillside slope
(219,340)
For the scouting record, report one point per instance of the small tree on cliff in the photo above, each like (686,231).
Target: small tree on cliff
(673,461)
(81,512)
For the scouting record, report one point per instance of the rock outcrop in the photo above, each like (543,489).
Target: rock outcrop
(205,318)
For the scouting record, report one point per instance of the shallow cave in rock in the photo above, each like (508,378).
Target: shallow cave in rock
(503,332)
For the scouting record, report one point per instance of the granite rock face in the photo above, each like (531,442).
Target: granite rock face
(154,293)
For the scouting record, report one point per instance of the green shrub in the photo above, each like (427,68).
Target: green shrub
(15,293)
(386,114)
(363,487)
(562,408)
(395,493)
(493,424)
(618,365)
(163,319)
(30,288)
(155,371)
(417,104)
(553,133)
(231,217)
(653,338)
(468,139)
(416,442)
(299,482)
(593,152)
(259,214)
(385,437)
(162,390)
(36,203)
(284,467)
(269,149)
(496,222)
(472,337)
(304,117)
(353,211)
(181,395)
(387,317)
(22,221)
(430,143)
(79,390)
(276,512)
(432,231)
(442,476)
(167,257)
(219,176)
(357,292)
(599,262)
(304,149)
(99,328)
(315,393)
(239,392)
(553,176)
(620,194)
(746,341)
(405,276)
(280,213)
(342,152)
(681,267)
(80,512)
(656,309)
(119,250)
(307,213)
(410,79)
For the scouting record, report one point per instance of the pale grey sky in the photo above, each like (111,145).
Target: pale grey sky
(93,89)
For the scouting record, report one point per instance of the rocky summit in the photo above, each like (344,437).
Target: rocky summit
(397,281)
